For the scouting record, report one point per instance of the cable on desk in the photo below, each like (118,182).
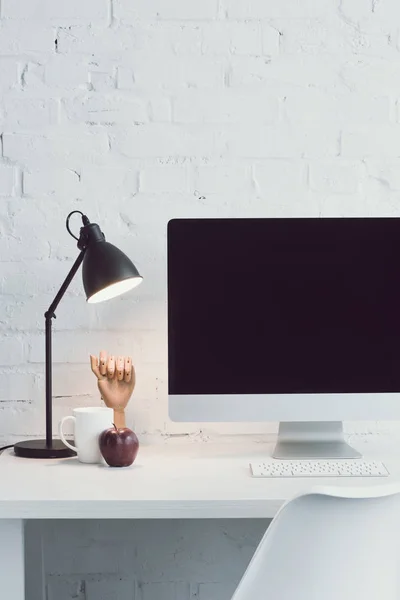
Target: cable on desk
(6,447)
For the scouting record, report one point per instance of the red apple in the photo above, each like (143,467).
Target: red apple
(119,447)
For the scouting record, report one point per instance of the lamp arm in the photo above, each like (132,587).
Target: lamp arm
(49,315)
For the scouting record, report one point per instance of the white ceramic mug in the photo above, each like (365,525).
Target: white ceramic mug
(89,423)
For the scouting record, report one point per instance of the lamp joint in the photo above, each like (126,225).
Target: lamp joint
(90,233)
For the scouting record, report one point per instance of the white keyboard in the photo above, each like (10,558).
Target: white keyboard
(318,468)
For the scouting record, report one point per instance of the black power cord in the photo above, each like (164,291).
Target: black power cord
(6,447)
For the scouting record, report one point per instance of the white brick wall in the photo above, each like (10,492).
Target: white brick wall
(139,111)
(118,560)
(129,12)
(56,11)
(7,180)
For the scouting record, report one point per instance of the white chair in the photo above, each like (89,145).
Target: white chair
(329,544)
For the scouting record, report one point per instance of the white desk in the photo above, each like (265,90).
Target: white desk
(171,480)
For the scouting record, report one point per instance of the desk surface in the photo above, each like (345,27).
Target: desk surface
(169,480)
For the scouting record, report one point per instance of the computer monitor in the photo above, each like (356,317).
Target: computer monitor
(290,320)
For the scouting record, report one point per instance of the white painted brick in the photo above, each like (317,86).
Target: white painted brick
(8,74)
(222,180)
(386,12)
(75,347)
(16,387)
(29,113)
(108,554)
(109,182)
(27,315)
(373,76)
(110,589)
(45,212)
(157,37)
(7,180)
(51,181)
(386,171)
(123,43)
(156,140)
(288,73)
(356,10)
(23,419)
(160,110)
(98,41)
(275,178)
(64,72)
(55,11)
(131,312)
(19,37)
(161,180)
(65,588)
(225,107)
(165,9)
(6,225)
(164,591)
(313,105)
(370,204)
(325,36)
(125,79)
(12,248)
(227,544)
(70,148)
(246,38)
(223,37)
(248,72)
(12,351)
(270,39)
(72,381)
(31,277)
(178,72)
(183,39)
(315,36)
(216,38)
(282,204)
(102,81)
(33,77)
(374,142)
(335,177)
(216,591)
(378,43)
(166,37)
(108,108)
(282,142)
(269,9)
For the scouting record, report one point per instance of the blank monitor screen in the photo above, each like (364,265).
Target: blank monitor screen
(284,306)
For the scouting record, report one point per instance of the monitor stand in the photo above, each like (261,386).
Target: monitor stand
(312,440)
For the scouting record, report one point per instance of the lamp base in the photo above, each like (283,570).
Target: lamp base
(39,449)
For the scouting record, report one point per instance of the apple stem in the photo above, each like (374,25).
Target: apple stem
(116,428)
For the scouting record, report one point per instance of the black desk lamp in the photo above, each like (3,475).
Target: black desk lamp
(107,272)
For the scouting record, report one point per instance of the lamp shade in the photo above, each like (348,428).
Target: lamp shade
(107,272)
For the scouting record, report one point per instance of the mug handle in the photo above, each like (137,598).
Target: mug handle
(60,431)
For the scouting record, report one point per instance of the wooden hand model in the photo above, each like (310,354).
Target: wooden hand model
(116,381)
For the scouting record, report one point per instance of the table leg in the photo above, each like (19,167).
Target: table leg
(12,568)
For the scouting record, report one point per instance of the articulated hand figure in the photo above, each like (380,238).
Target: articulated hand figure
(116,381)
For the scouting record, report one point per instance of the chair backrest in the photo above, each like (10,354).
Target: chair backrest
(329,544)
